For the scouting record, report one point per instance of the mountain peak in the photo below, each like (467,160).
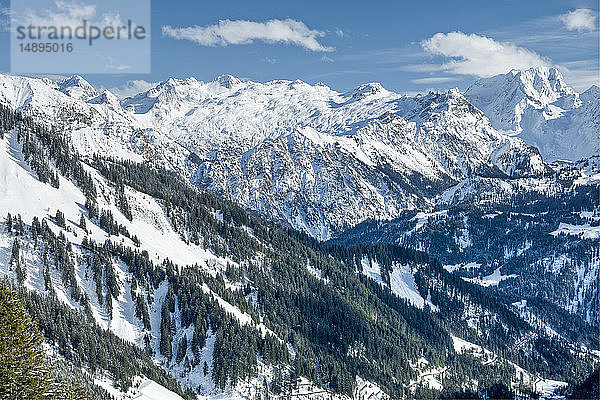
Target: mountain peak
(541,108)
(173,82)
(365,90)
(227,81)
(591,92)
(544,84)
(77,87)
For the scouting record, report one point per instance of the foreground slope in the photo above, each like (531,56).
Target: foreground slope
(131,258)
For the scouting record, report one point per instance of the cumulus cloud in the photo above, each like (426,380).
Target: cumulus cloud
(582,19)
(479,55)
(131,88)
(228,32)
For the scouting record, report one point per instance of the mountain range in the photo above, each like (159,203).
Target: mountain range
(307,233)
(317,160)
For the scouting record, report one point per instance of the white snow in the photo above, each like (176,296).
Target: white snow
(490,280)
(541,386)
(472,266)
(422,218)
(143,389)
(540,108)
(402,282)
(584,231)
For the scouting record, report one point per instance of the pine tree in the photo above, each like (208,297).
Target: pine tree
(165,346)
(182,349)
(60,219)
(82,224)
(24,373)
(47,278)
(35,229)
(21,273)
(19,228)
(9,223)
(109,305)
(16,262)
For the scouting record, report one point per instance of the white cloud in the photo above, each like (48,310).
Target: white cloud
(228,32)
(582,19)
(131,88)
(479,55)
(434,79)
(324,58)
(340,32)
(65,14)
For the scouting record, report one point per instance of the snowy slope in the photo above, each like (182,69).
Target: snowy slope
(143,389)
(21,193)
(540,108)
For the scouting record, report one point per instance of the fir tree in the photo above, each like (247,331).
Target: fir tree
(16,262)
(82,223)
(24,373)
(19,228)
(60,219)
(182,349)
(9,223)
(165,346)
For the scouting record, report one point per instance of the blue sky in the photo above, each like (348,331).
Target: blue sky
(407,46)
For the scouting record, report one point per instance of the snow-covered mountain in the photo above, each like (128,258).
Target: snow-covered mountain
(319,160)
(538,106)
(514,231)
(323,161)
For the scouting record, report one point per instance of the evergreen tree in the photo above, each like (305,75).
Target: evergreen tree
(19,228)
(16,262)
(9,223)
(82,223)
(182,349)
(165,346)
(35,229)
(60,219)
(47,278)
(24,373)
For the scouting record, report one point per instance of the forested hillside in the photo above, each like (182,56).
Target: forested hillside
(132,273)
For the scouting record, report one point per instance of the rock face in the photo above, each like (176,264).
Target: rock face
(540,108)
